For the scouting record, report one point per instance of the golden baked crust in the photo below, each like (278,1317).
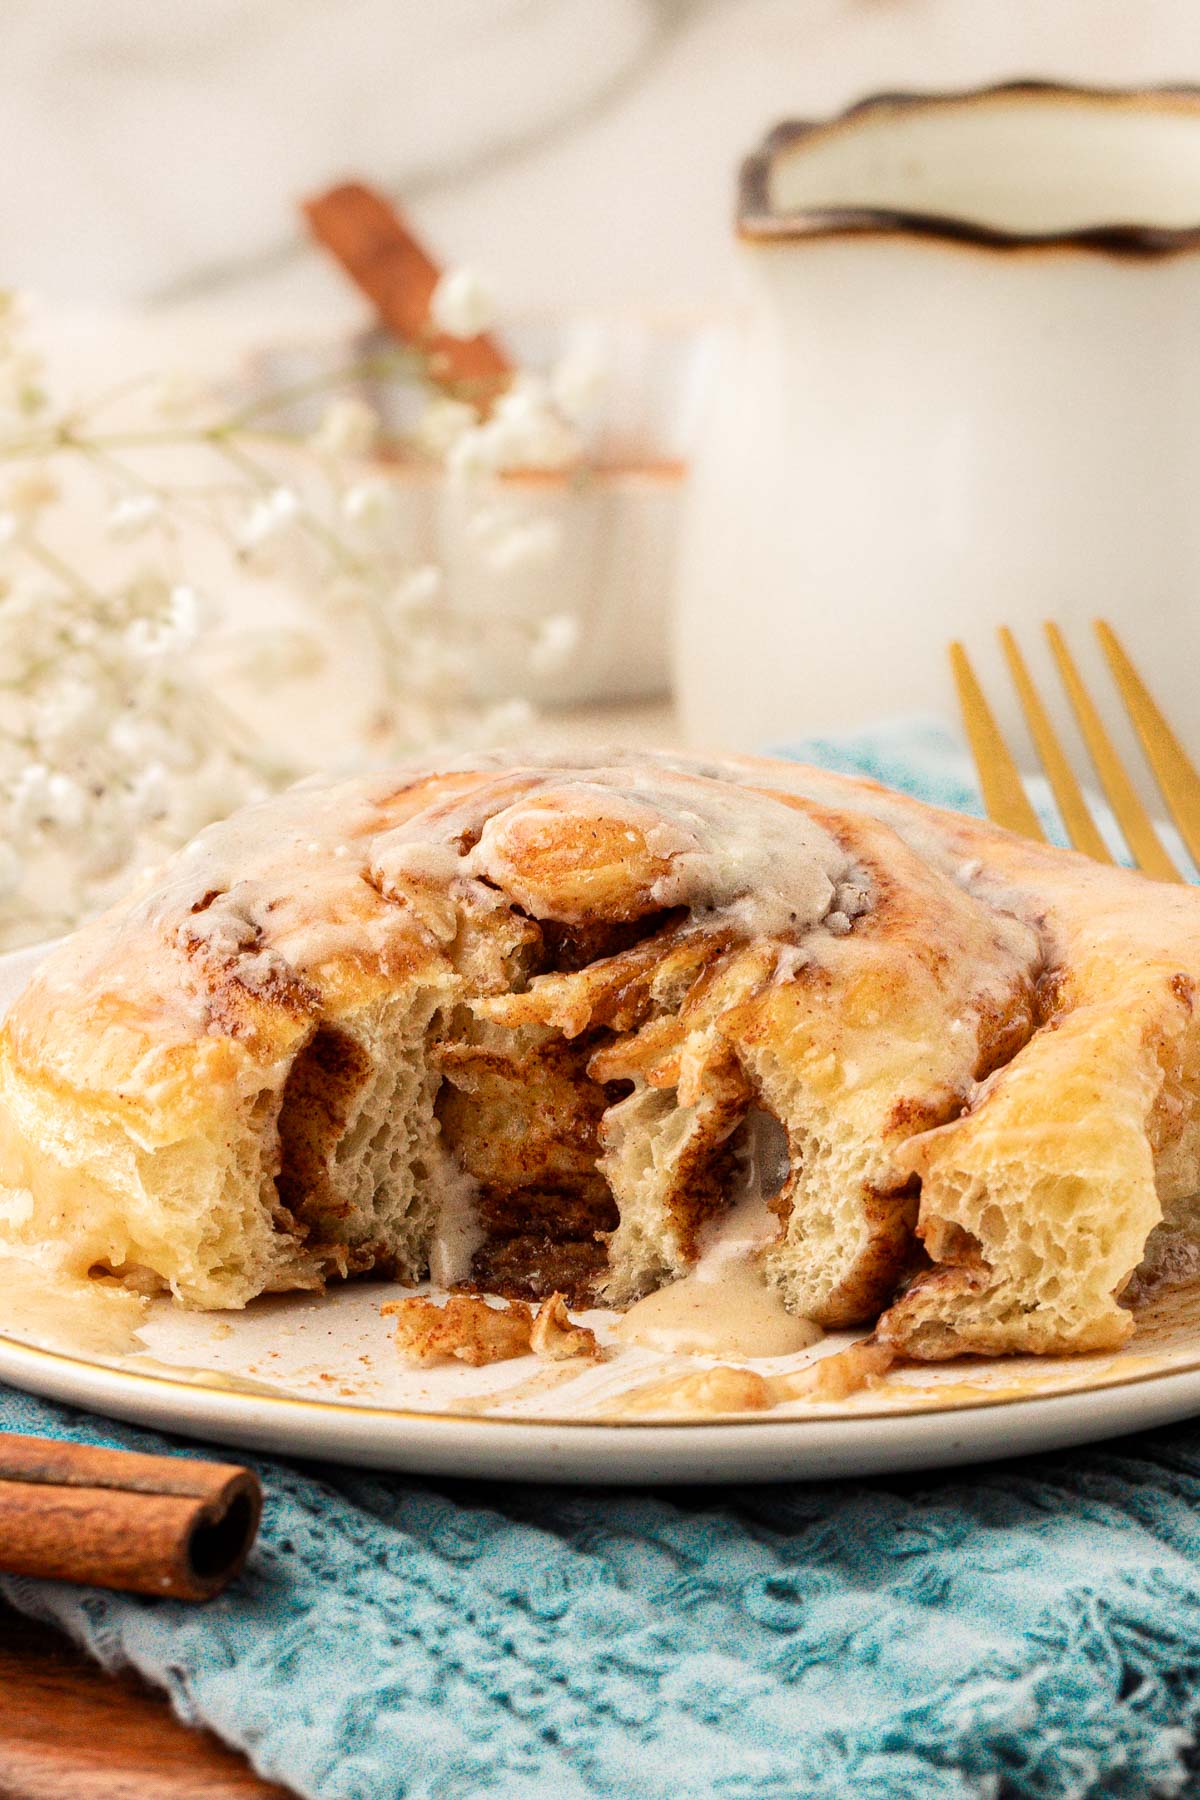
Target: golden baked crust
(510,1021)
(466,1328)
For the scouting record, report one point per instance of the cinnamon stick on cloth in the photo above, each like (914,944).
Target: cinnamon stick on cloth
(375,246)
(116,1519)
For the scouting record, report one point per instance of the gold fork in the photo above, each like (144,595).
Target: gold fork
(1004,795)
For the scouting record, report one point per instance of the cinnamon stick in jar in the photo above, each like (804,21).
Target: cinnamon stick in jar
(113,1518)
(383,257)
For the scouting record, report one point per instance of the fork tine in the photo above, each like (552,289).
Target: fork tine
(1003,795)
(1139,833)
(1081,827)
(1172,767)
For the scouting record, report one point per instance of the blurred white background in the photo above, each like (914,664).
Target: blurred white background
(582,155)
(580,150)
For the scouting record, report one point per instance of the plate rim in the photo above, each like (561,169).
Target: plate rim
(148,1378)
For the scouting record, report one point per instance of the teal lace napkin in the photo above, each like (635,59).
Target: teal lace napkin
(1024,1630)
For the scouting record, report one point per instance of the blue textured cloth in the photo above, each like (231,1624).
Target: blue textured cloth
(1030,1629)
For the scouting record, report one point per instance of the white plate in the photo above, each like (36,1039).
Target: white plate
(317,1376)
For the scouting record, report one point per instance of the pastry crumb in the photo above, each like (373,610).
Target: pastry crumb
(469,1328)
(556,1338)
(466,1327)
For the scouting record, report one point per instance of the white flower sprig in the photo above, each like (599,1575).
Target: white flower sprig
(114,744)
(463,304)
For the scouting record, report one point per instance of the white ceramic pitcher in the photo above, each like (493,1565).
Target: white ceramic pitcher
(967,392)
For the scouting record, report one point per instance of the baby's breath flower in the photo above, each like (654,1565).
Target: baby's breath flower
(486,523)
(150,794)
(529,542)
(69,801)
(115,744)
(462,304)
(148,603)
(126,737)
(349,428)
(136,740)
(475,453)
(270,516)
(554,644)
(188,614)
(68,714)
(535,434)
(147,638)
(43,798)
(418,589)
(525,431)
(134,514)
(82,631)
(373,504)
(505,720)
(511,536)
(270,537)
(443,423)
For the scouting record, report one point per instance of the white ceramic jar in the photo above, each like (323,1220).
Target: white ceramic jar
(967,392)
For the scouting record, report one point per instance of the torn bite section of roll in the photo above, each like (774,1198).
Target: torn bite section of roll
(880,1038)
(361,1167)
(588,1122)
(519,1112)
(1044,1276)
(520,1117)
(672,1168)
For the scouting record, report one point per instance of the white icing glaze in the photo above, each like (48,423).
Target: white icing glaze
(724,1306)
(320,874)
(735,1315)
(907,820)
(458,1233)
(764,867)
(44,1304)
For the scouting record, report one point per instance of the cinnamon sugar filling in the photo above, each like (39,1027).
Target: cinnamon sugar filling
(520,1117)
